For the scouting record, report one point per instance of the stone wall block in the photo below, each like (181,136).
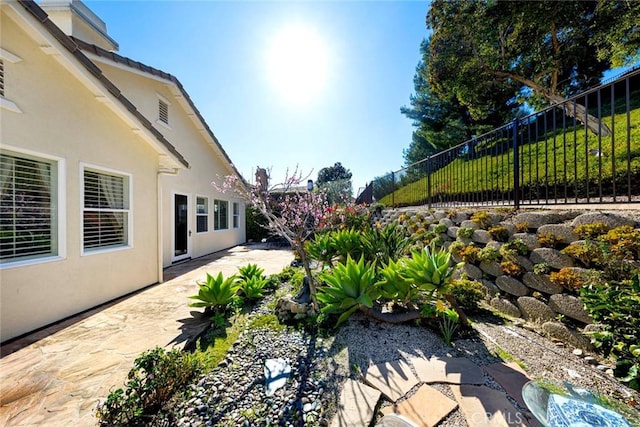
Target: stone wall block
(472,271)
(492,268)
(439,214)
(541,283)
(563,232)
(571,306)
(512,286)
(509,226)
(490,287)
(531,240)
(537,219)
(525,262)
(459,216)
(505,306)
(560,331)
(470,224)
(553,257)
(612,220)
(447,222)
(451,231)
(535,310)
(481,236)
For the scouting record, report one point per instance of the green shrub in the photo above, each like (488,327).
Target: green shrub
(468,294)
(588,253)
(488,254)
(568,279)
(512,268)
(591,231)
(624,242)
(522,227)
(394,286)
(321,248)
(156,375)
(548,240)
(253,288)
(469,254)
(465,232)
(347,243)
(249,271)
(346,287)
(256,225)
(384,244)
(456,246)
(429,269)
(499,233)
(542,268)
(615,305)
(482,219)
(440,229)
(215,294)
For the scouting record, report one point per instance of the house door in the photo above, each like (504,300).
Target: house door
(181,227)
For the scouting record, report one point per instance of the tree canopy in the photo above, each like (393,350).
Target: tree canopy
(333,173)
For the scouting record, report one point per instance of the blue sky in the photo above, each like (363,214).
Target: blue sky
(224,53)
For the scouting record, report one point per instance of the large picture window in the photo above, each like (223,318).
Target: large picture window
(28,207)
(105,210)
(236,214)
(220,215)
(202,214)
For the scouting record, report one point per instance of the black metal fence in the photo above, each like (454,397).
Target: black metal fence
(583,150)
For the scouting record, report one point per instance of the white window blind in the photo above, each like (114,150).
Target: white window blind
(105,210)
(28,207)
(202,214)
(236,214)
(163,111)
(220,215)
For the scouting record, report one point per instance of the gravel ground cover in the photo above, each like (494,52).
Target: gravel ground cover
(234,393)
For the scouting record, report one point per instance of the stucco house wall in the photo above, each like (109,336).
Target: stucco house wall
(62,119)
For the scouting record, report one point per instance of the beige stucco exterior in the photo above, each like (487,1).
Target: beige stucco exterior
(64,114)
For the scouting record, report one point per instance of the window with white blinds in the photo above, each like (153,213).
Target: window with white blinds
(236,214)
(28,207)
(202,214)
(220,215)
(105,210)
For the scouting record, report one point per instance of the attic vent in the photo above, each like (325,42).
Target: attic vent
(1,78)
(163,111)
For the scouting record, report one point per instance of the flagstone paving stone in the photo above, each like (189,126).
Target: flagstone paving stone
(426,408)
(394,379)
(511,377)
(451,370)
(357,405)
(485,407)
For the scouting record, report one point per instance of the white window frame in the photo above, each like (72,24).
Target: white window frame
(6,104)
(206,214)
(235,214)
(129,211)
(59,233)
(216,219)
(168,104)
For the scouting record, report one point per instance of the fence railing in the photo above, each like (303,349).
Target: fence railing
(583,150)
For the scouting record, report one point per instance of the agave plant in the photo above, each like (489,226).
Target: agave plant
(321,249)
(215,294)
(394,286)
(249,271)
(388,243)
(253,288)
(430,269)
(348,287)
(347,243)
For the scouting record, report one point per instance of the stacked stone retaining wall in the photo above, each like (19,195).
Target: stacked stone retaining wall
(531,296)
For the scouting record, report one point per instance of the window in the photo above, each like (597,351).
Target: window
(105,210)
(28,207)
(202,214)
(163,112)
(220,214)
(1,77)
(236,214)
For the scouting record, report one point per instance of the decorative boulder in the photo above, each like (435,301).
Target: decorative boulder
(610,219)
(481,236)
(535,310)
(531,240)
(492,268)
(512,286)
(505,306)
(559,331)
(537,219)
(541,282)
(563,232)
(570,306)
(553,257)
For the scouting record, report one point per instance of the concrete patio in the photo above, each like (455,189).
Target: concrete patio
(55,376)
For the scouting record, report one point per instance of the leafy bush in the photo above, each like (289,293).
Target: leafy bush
(253,288)
(542,268)
(499,233)
(347,243)
(591,231)
(347,286)
(514,248)
(469,254)
(321,248)
(468,294)
(512,268)
(588,253)
(356,217)
(429,269)
(465,232)
(156,375)
(388,243)
(568,279)
(256,224)
(615,305)
(482,219)
(250,271)
(548,240)
(522,227)
(624,242)
(215,294)
(394,286)
(488,254)
(440,228)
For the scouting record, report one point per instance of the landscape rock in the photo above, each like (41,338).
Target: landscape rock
(471,271)
(537,219)
(512,286)
(481,236)
(535,310)
(541,283)
(531,240)
(452,231)
(490,287)
(560,331)
(505,306)
(439,215)
(610,219)
(492,268)
(459,216)
(495,245)
(571,306)
(563,232)
(524,262)
(447,222)
(469,224)
(509,226)
(553,257)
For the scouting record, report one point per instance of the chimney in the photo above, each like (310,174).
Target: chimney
(77,20)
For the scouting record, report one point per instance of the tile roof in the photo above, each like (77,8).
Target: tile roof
(72,46)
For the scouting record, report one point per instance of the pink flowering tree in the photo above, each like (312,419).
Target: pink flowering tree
(292,214)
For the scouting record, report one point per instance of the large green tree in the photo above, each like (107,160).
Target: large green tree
(550,49)
(441,121)
(335,181)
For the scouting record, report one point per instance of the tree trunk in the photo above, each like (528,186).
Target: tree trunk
(307,269)
(570,108)
(462,317)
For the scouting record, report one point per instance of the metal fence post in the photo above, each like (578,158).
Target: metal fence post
(516,167)
(428,182)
